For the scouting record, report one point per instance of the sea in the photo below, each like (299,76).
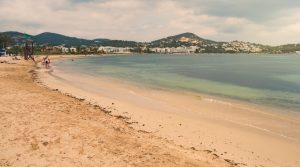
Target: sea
(262,79)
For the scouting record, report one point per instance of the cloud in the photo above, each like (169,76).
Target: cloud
(270,21)
(255,10)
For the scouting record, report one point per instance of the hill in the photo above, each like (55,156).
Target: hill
(58,39)
(185,39)
(48,38)
(17,38)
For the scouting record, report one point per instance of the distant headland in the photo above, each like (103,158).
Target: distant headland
(188,42)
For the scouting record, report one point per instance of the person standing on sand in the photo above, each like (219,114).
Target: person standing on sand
(47,62)
(44,60)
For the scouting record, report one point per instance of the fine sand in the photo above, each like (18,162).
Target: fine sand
(43,127)
(242,134)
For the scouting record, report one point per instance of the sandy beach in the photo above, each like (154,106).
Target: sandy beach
(149,83)
(44,127)
(49,119)
(240,133)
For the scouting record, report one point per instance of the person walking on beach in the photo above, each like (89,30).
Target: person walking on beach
(47,62)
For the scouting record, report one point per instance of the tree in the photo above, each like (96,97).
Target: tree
(15,50)
(5,40)
(79,50)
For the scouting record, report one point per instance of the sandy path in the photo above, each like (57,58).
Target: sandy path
(40,127)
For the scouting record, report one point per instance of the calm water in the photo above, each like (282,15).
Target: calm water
(261,79)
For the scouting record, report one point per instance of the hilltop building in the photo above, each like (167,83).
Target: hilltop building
(239,46)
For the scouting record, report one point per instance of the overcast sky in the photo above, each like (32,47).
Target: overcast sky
(262,21)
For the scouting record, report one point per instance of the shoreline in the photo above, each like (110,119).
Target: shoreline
(42,126)
(236,121)
(259,104)
(268,109)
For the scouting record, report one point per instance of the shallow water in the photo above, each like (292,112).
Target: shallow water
(270,80)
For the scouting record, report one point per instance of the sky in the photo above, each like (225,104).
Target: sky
(272,22)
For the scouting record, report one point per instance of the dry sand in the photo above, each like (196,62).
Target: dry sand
(243,134)
(43,127)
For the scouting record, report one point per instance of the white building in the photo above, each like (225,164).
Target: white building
(181,49)
(124,50)
(158,50)
(229,49)
(73,50)
(192,49)
(63,49)
(184,39)
(110,49)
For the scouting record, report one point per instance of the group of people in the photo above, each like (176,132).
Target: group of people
(46,62)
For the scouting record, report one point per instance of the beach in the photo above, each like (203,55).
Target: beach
(134,83)
(48,119)
(43,127)
(246,134)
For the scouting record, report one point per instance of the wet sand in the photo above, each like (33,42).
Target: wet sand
(44,127)
(240,133)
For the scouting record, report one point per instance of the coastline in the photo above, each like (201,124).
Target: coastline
(245,123)
(43,127)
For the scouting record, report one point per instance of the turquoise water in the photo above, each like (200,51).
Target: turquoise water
(272,80)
